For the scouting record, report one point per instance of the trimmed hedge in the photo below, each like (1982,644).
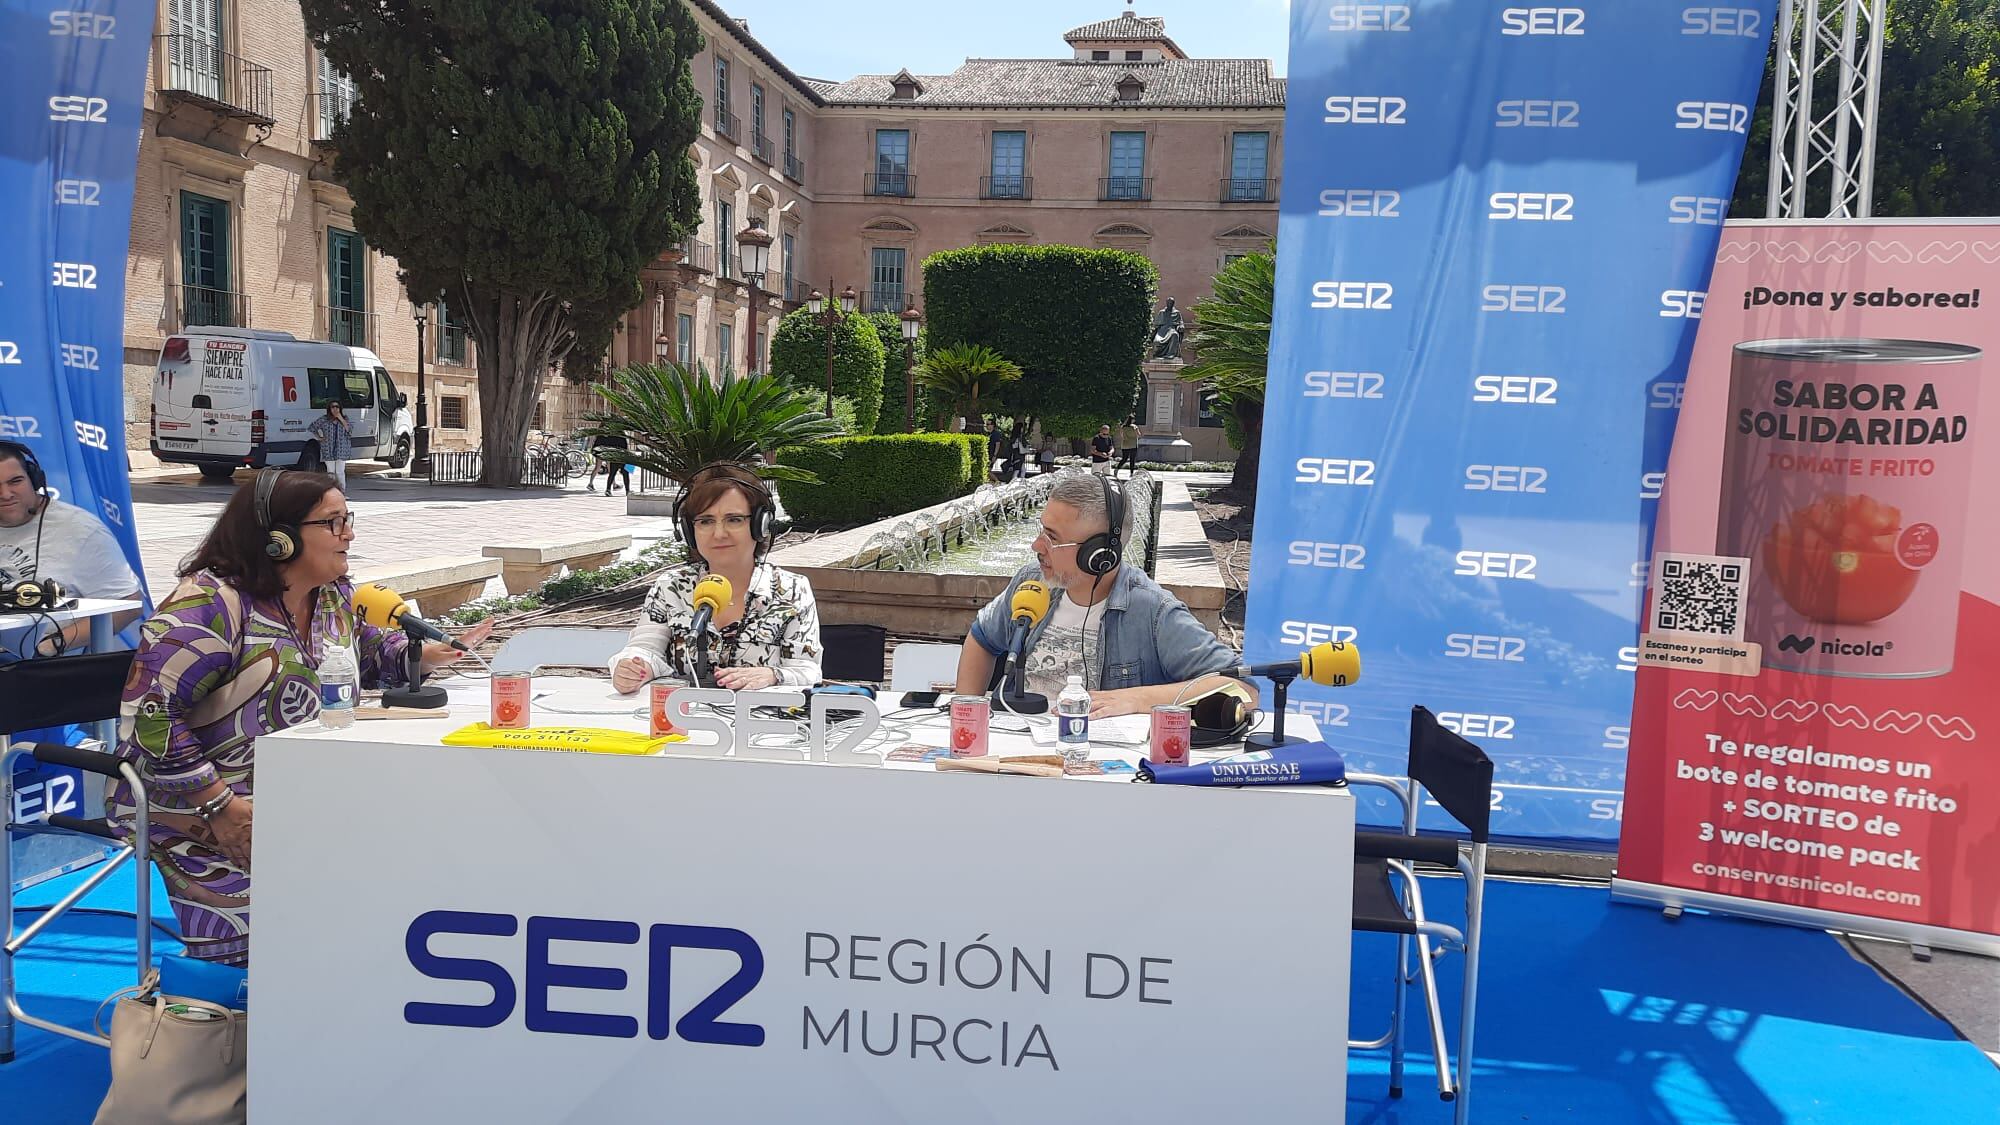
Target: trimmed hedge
(798,355)
(867,478)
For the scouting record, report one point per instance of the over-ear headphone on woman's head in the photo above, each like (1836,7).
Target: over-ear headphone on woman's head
(281,540)
(1100,554)
(37,479)
(764,523)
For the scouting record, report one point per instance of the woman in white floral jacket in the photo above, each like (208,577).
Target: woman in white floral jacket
(768,634)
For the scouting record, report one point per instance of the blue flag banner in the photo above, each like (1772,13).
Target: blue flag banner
(69,142)
(1496,229)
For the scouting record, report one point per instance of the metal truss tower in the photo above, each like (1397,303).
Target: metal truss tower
(1823,118)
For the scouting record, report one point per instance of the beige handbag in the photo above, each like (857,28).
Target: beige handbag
(174,1060)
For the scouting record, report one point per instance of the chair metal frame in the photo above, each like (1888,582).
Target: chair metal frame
(1433,940)
(106,765)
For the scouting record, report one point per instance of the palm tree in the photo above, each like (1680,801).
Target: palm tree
(958,377)
(1232,346)
(678,420)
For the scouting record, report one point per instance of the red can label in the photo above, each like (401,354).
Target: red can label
(510,700)
(661,711)
(970,715)
(1172,735)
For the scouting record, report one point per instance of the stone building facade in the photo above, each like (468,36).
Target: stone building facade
(1123,141)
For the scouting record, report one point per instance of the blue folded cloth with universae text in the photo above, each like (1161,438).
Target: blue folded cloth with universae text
(1296,763)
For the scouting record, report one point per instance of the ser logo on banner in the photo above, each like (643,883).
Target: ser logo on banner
(1536,113)
(1745,22)
(1541,21)
(1520,390)
(76,107)
(1524,299)
(1481,646)
(10,353)
(1531,206)
(77,193)
(1720,117)
(83,357)
(83,25)
(701,1023)
(14,427)
(1366,109)
(1472,724)
(1360,203)
(1344,384)
(1336,470)
(1495,564)
(1330,556)
(1368,17)
(1506,478)
(1305,634)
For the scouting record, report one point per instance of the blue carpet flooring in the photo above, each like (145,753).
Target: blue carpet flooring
(1589,1012)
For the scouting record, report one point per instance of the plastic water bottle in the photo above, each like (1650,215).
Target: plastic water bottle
(339,687)
(1073,724)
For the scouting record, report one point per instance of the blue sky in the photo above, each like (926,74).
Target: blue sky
(848,37)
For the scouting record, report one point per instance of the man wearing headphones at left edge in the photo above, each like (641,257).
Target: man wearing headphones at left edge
(1135,645)
(43,538)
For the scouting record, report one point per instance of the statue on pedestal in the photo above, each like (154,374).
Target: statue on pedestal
(1167,329)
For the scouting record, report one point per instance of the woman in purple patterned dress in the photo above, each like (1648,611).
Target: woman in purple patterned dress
(233,654)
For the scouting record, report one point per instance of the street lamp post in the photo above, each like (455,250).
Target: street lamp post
(753,245)
(911,322)
(663,349)
(828,317)
(420,464)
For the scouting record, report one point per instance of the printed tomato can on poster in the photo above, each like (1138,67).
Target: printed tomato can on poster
(970,717)
(1846,480)
(1173,733)
(510,700)
(660,708)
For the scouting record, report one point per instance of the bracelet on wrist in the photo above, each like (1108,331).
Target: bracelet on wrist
(207,810)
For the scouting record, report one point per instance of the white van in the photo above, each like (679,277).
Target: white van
(227,398)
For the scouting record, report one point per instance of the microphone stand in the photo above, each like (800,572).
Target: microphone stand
(1012,696)
(414,693)
(1281,682)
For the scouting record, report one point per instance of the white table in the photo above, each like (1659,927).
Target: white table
(99,612)
(525,936)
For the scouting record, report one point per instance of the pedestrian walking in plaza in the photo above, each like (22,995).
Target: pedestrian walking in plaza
(336,442)
(614,473)
(1128,446)
(1100,451)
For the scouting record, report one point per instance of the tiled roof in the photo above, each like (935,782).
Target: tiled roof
(1070,84)
(1125,27)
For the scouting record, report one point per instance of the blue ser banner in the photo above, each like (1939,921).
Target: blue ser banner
(74,85)
(1496,229)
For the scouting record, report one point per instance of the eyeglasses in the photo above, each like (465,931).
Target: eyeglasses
(1049,537)
(335,524)
(733,523)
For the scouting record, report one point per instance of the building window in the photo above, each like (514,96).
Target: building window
(205,290)
(346,289)
(1100,56)
(1128,167)
(763,356)
(757,120)
(451,334)
(684,339)
(451,412)
(336,96)
(1249,167)
(791,248)
(724,124)
(1135,56)
(885,279)
(194,48)
(725,342)
(1008,166)
(791,134)
(892,162)
(725,217)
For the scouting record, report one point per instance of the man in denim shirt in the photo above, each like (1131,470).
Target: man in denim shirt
(1135,645)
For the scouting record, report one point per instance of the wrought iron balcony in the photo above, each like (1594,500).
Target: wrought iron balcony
(204,74)
(698,255)
(1125,188)
(725,123)
(883,298)
(1239,190)
(795,169)
(761,145)
(1006,187)
(889,183)
(353,327)
(202,305)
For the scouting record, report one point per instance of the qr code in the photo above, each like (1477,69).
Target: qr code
(1700,594)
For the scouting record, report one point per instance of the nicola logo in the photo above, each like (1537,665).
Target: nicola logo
(1795,643)
(1834,646)
(701,1023)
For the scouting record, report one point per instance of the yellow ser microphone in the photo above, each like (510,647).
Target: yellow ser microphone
(1030,604)
(384,608)
(710,595)
(1328,663)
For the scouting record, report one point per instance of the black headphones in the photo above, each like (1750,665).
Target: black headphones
(33,596)
(1100,554)
(281,540)
(37,479)
(764,523)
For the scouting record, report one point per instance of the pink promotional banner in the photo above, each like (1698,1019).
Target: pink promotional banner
(1816,726)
